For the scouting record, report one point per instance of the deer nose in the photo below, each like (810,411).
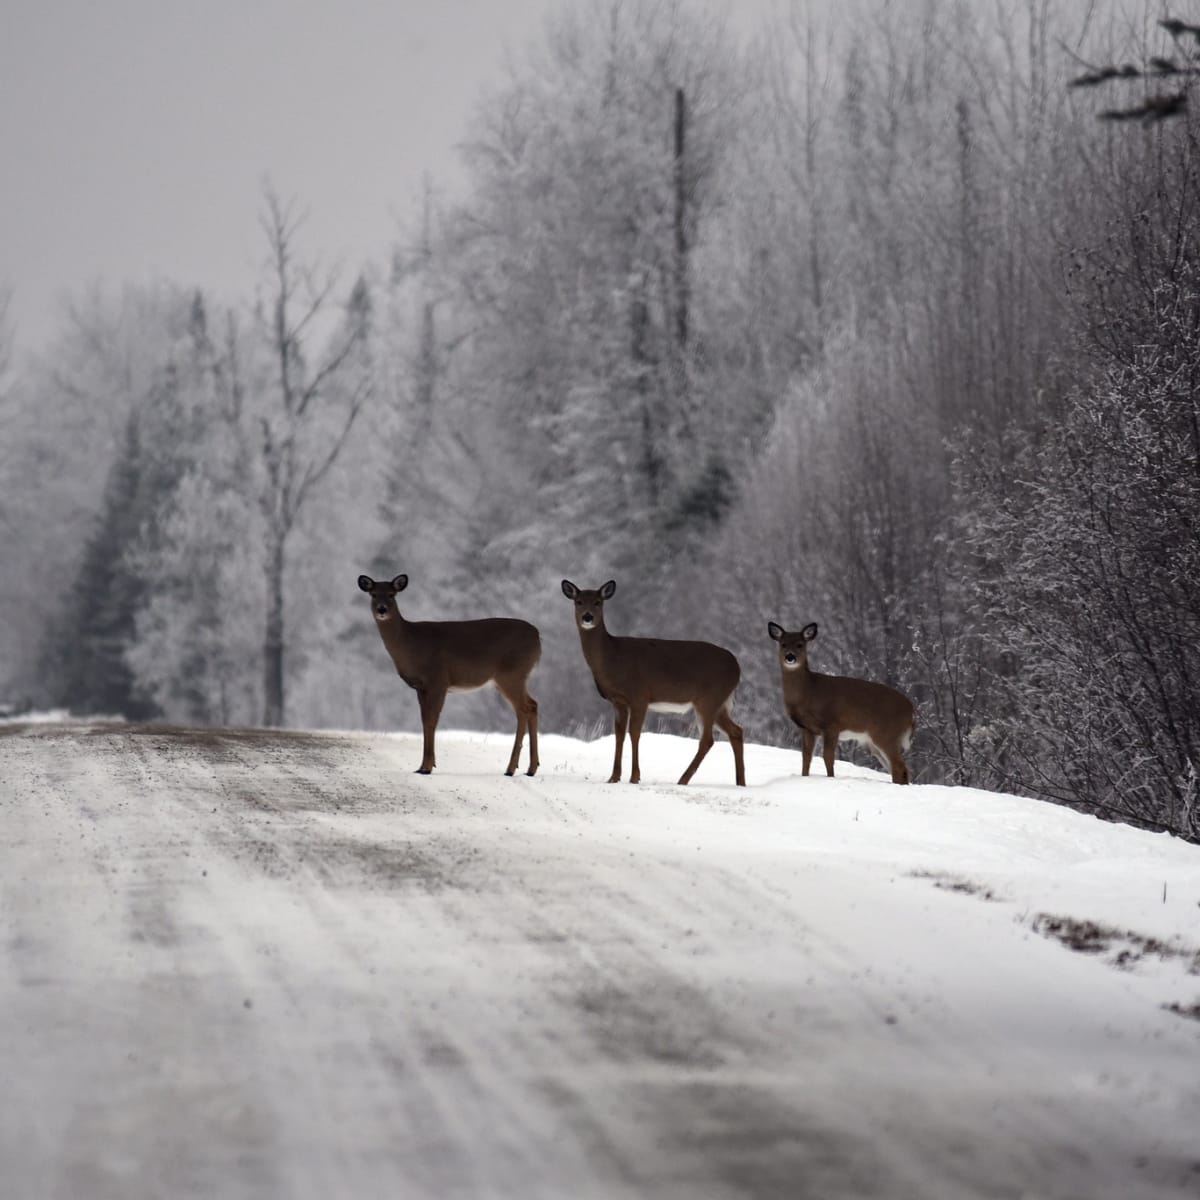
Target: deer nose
(587,619)
(381,610)
(789,659)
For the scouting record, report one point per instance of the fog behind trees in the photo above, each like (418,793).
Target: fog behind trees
(866,321)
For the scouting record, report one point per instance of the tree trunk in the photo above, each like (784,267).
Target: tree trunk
(273,639)
(682,298)
(815,206)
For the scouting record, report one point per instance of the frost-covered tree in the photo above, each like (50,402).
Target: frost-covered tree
(1088,541)
(103,442)
(592,170)
(97,627)
(198,640)
(85,651)
(302,402)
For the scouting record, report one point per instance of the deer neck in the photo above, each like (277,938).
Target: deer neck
(397,637)
(798,683)
(597,644)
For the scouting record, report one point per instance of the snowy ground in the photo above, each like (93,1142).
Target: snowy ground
(282,965)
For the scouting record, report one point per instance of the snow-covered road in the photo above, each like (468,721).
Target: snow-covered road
(242,964)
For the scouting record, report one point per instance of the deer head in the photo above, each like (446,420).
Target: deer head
(383,595)
(793,647)
(589,603)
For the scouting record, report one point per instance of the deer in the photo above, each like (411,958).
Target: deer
(842,708)
(636,674)
(436,657)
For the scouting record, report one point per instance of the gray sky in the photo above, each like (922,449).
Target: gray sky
(135,134)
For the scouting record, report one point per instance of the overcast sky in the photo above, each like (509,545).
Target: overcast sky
(135,134)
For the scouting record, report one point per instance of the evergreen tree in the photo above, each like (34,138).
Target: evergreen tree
(84,655)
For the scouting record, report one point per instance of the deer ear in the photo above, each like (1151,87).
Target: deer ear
(606,592)
(366,582)
(809,631)
(400,582)
(569,589)
(776,631)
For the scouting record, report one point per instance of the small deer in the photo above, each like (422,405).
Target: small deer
(635,674)
(436,657)
(842,708)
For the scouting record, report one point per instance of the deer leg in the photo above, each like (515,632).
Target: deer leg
(514,698)
(431,701)
(620,722)
(733,731)
(829,748)
(808,742)
(531,711)
(518,739)
(898,765)
(882,757)
(525,707)
(706,741)
(890,759)
(636,717)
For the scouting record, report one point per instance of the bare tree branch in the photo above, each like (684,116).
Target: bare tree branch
(1153,108)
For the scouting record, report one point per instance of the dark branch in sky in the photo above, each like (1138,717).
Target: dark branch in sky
(1155,108)
(1152,108)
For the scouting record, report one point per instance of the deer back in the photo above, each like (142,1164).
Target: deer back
(462,654)
(662,670)
(845,702)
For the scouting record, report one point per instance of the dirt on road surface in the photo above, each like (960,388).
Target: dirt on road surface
(249,964)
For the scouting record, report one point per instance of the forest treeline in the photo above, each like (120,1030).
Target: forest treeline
(864,319)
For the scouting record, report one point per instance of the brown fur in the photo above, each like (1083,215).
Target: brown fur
(830,705)
(633,674)
(436,657)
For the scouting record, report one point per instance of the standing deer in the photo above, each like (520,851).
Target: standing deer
(636,674)
(839,707)
(436,657)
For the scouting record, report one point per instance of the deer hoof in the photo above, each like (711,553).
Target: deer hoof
(424,770)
